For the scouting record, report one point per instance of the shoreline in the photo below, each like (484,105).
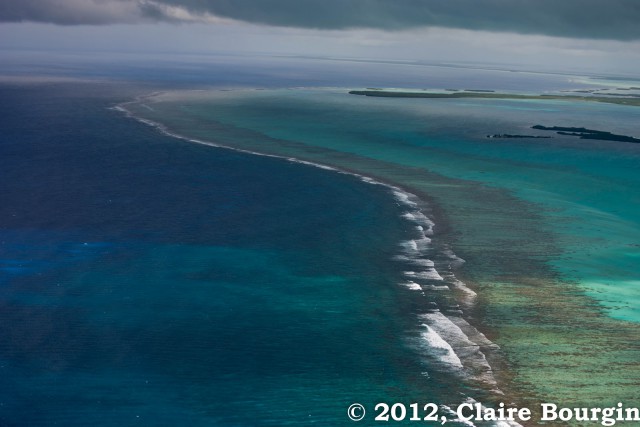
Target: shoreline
(628,100)
(519,311)
(486,357)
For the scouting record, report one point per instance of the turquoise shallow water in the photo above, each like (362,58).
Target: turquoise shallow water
(585,188)
(548,227)
(146,280)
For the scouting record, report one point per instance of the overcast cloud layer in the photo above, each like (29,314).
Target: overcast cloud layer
(598,19)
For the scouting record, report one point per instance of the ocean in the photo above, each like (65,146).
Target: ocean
(148,280)
(344,250)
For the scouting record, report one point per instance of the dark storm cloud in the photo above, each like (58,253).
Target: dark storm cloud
(605,19)
(69,12)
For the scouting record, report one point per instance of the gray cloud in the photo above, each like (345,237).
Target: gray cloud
(70,12)
(598,19)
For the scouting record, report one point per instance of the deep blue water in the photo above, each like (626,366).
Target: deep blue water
(145,280)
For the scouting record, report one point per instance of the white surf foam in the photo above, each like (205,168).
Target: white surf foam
(436,287)
(418,262)
(467,343)
(424,223)
(405,198)
(412,285)
(440,347)
(417,247)
(428,274)
(436,335)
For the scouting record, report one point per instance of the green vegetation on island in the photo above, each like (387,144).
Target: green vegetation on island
(507,135)
(584,133)
(632,101)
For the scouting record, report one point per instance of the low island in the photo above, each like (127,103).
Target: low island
(508,136)
(580,132)
(584,133)
(618,99)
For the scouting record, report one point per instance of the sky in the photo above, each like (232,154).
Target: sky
(594,35)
